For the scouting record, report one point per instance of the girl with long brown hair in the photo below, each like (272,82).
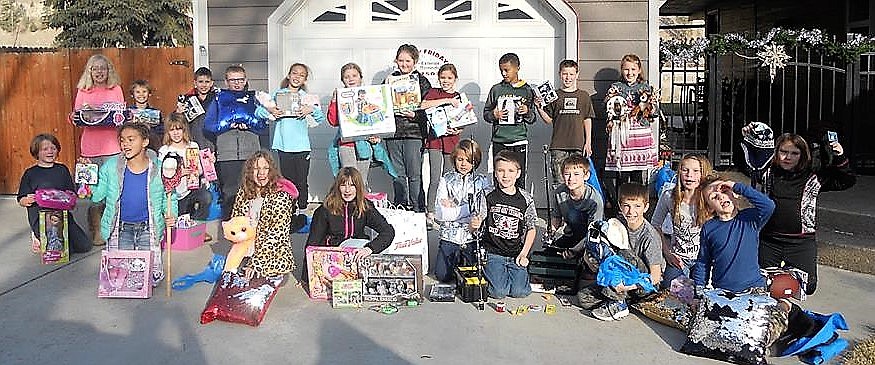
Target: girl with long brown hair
(345,214)
(679,215)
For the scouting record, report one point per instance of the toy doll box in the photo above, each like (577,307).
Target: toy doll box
(125,274)
(468,282)
(327,264)
(346,294)
(390,278)
(53,237)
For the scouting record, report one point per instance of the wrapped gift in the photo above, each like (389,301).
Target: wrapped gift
(53,237)
(236,299)
(125,274)
(327,264)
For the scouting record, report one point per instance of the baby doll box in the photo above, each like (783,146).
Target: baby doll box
(391,278)
(327,264)
(468,283)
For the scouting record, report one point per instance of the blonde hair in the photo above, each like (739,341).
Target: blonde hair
(250,188)
(86,82)
(698,199)
(174,121)
(703,189)
(334,201)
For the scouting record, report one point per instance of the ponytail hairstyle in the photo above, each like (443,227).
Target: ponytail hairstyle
(285,82)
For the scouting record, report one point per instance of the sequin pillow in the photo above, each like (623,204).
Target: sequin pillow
(734,327)
(239,300)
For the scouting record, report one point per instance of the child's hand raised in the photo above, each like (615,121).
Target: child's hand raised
(722,186)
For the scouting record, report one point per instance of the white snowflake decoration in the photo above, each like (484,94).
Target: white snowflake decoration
(775,57)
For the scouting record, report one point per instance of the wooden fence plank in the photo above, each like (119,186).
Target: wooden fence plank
(37,90)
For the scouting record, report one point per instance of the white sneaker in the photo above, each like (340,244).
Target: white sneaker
(612,310)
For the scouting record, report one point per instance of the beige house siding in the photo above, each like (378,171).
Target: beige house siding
(238,35)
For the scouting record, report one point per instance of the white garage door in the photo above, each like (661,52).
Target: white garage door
(470,34)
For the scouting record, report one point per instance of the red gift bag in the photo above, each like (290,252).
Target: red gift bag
(236,299)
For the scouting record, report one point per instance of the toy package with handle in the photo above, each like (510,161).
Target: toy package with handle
(109,115)
(55,199)
(125,274)
(236,299)
(53,237)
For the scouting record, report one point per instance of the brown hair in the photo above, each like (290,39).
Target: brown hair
(349,66)
(575,160)
(798,142)
(508,156)
(285,83)
(139,127)
(409,49)
(176,121)
(86,82)
(334,201)
(698,199)
(636,60)
(634,190)
(568,64)
(38,140)
(469,149)
(140,83)
(234,68)
(448,67)
(250,188)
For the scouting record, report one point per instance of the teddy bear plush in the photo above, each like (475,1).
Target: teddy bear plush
(241,233)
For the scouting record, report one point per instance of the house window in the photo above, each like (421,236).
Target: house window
(390,10)
(510,12)
(336,14)
(453,9)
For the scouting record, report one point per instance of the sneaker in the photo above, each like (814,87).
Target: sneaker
(34,244)
(612,310)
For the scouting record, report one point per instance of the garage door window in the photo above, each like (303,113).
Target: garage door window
(336,14)
(453,10)
(382,11)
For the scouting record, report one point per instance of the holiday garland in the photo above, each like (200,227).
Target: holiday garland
(774,42)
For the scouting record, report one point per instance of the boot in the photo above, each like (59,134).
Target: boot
(95,213)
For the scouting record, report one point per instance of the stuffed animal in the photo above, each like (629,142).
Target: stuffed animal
(241,233)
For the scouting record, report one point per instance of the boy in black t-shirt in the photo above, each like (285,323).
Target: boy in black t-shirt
(509,230)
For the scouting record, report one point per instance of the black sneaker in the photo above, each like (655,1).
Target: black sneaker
(612,310)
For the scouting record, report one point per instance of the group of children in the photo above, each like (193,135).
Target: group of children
(696,229)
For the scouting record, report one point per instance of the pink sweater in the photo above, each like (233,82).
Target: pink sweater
(98,141)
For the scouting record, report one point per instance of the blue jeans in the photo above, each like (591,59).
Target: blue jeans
(505,277)
(134,236)
(671,272)
(451,255)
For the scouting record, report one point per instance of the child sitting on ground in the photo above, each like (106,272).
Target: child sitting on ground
(729,247)
(508,214)
(456,190)
(577,203)
(49,174)
(644,252)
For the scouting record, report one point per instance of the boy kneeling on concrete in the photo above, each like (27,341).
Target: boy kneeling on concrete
(637,243)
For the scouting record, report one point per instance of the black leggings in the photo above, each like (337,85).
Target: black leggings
(295,166)
(800,253)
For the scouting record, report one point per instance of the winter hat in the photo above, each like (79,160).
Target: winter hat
(758,145)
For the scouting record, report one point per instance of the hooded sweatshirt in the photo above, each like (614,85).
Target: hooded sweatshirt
(328,229)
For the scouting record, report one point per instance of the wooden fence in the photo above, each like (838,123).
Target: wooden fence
(37,90)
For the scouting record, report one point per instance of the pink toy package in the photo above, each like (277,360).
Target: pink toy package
(327,264)
(207,158)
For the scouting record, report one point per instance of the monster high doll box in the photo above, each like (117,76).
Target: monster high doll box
(125,274)
(346,294)
(390,278)
(326,265)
